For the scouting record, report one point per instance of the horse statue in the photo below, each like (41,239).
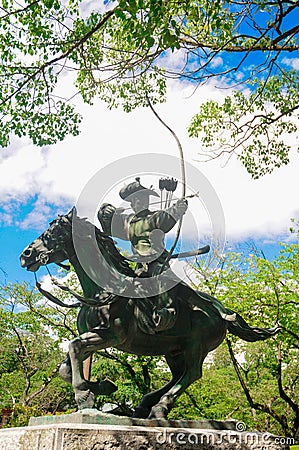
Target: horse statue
(110,320)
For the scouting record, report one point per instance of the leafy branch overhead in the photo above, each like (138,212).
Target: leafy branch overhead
(125,50)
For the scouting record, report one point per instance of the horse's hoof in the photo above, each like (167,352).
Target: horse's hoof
(141,412)
(105,387)
(158,412)
(85,399)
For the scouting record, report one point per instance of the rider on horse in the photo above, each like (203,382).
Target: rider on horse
(145,230)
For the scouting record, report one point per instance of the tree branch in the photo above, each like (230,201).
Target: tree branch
(64,55)
(282,392)
(288,33)
(18,11)
(255,405)
(44,385)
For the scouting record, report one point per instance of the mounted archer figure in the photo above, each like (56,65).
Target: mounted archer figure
(145,229)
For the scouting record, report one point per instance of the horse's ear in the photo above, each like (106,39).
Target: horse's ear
(73,212)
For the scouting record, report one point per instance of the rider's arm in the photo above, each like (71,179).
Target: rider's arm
(105,215)
(166,219)
(113,222)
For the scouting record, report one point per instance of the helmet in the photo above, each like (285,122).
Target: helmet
(127,191)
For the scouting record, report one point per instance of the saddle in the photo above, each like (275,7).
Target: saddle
(154,315)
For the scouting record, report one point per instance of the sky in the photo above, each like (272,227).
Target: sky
(38,183)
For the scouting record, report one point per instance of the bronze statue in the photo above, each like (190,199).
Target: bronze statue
(107,320)
(145,230)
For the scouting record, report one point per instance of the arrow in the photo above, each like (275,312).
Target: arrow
(199,251)
(120,210)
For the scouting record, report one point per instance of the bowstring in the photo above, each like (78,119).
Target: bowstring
(183,173)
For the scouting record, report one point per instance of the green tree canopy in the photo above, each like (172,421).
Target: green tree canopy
(123,52)
(265,293)
(31,354)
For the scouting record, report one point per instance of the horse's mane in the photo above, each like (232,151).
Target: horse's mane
(110,252)
(106,245)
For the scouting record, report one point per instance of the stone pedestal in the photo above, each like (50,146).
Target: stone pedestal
(84,432)
(93,416)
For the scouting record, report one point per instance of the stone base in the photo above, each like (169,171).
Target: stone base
(109,437)
(93,416)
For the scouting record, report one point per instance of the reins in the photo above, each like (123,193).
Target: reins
(52,297)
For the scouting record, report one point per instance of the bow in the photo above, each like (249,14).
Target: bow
(183,173)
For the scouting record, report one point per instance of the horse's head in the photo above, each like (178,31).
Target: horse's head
(49,247)
(56,244)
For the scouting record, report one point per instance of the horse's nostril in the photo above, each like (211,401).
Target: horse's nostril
(27,252)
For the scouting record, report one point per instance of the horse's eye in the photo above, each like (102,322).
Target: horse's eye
(27,252)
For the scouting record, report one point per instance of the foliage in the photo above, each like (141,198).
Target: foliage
(30,354)
(21,415)
(266,294)
(123,52)
(237,121)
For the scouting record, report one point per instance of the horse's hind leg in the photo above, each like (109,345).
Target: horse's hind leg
(191,373)
(79,349)
(176,365)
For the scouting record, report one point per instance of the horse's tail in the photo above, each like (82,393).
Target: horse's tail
(239,327)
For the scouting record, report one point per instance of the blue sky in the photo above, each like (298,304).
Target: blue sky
(38,183)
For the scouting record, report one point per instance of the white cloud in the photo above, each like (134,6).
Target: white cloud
(59,173)
(19,171)
(292,62)
(6,218)
(216,61)
(175,61)
(37,218)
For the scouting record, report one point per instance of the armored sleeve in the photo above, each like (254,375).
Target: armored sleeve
(165,220)
(113,222)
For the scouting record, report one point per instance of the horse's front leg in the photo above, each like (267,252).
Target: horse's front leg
(79,349)
(65,370)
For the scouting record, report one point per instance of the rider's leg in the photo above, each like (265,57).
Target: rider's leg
(164,313)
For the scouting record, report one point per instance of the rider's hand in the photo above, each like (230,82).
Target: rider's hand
(182,205)
(109,210)
(106,210)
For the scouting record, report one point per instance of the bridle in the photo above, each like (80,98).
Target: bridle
(43,258)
